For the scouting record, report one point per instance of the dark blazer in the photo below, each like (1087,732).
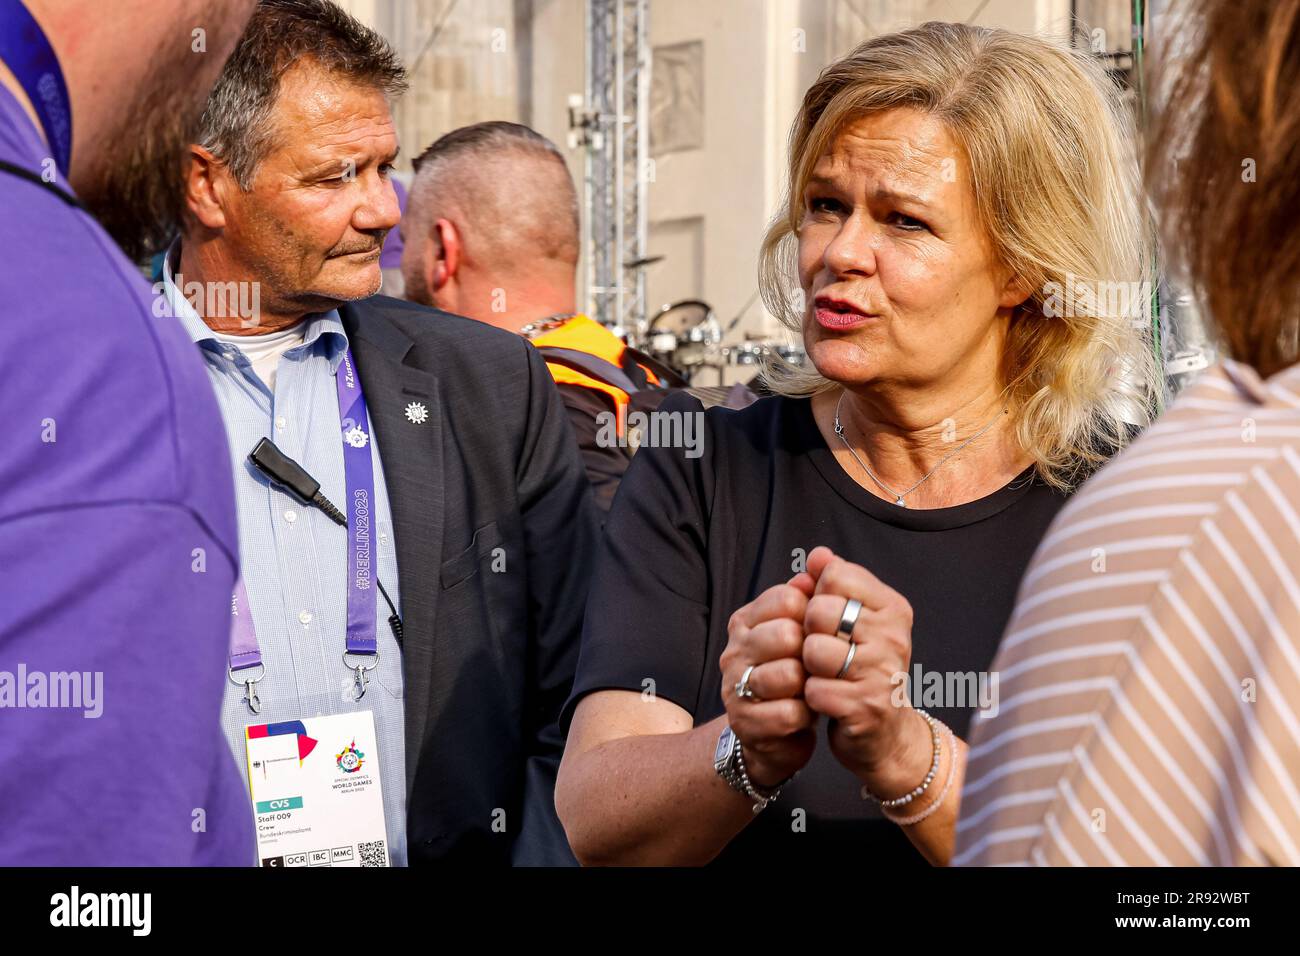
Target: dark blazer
(495,533)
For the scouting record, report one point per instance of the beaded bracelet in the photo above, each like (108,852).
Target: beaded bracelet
(943,794)
(907,798)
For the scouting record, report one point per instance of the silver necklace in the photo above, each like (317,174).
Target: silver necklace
(896,495)
(548,324)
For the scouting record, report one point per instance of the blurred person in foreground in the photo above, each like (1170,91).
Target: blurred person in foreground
(441,438)
(491,232)
(1151,671)
(760,611)
(116,511)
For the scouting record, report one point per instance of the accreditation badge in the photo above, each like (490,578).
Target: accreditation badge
(316,793)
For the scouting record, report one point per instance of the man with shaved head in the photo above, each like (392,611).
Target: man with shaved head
(492,226)
(491,232)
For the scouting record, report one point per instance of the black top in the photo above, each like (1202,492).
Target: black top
(689,540)
(605,463)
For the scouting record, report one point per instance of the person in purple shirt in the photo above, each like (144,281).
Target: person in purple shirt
(117,522)
(390,258)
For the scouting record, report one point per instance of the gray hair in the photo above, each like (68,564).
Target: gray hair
(236,126)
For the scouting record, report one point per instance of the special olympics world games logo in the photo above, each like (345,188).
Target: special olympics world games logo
(351,759)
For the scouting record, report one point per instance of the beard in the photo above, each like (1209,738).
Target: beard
(137,188)
(139,192)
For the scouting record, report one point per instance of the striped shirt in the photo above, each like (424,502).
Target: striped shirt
(1149,706)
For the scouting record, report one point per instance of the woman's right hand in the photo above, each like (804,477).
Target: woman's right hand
(775,727)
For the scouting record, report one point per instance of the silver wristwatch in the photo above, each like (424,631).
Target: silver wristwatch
(729,762)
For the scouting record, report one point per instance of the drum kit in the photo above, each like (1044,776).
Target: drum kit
(687,336)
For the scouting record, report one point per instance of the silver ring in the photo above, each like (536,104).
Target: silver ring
(849,619)
(853,649)
(743,690)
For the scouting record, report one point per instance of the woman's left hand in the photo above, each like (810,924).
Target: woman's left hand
(874,731)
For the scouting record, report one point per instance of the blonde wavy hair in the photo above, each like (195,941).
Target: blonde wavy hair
(1056,183)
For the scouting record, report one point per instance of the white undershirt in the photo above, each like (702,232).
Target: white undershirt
(264,350)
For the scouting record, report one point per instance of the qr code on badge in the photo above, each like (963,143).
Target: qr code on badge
(372,854)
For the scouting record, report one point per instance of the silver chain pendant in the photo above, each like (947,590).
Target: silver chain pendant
(898,498)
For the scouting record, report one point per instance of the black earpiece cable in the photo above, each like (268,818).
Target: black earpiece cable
(286,473)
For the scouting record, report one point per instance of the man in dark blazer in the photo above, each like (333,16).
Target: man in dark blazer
(482,523)
(489,654)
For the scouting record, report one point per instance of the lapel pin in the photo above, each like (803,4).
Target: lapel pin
(416,413)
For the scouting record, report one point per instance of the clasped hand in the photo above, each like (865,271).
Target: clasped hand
(788,636)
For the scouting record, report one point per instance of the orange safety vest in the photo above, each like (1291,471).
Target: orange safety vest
(586,335)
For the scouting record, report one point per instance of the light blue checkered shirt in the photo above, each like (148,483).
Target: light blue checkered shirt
(293,558)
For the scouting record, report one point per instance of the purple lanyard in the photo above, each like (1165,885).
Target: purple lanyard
(359,476)
(26,51)
(244,651)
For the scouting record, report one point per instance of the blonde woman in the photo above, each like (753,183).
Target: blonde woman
(741,692)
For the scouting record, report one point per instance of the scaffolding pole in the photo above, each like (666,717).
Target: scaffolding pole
(614,127)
